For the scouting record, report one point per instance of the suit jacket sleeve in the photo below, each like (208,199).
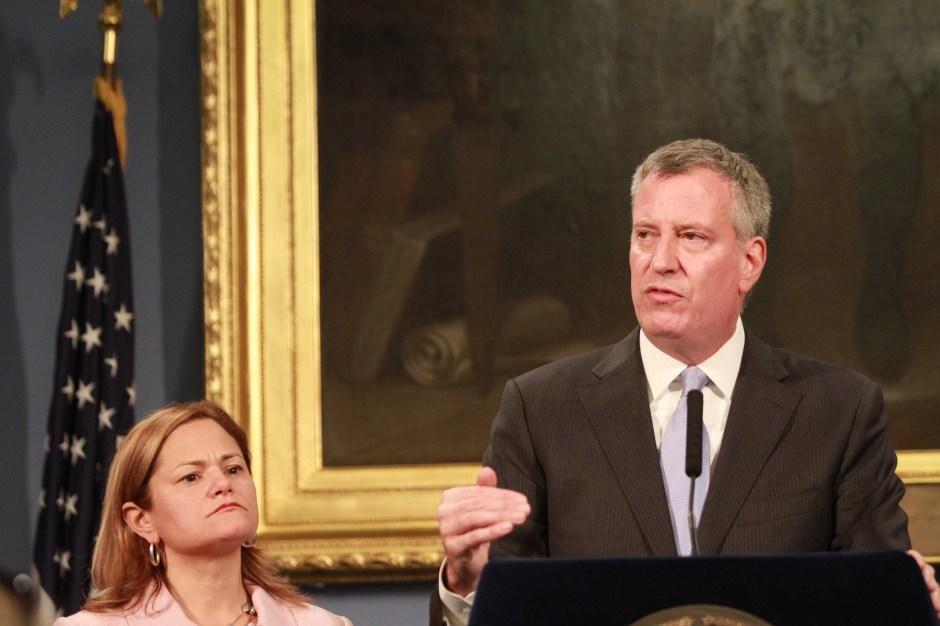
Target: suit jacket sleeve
(512,455)
(868,493)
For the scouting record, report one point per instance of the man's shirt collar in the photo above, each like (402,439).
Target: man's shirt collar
(721,368)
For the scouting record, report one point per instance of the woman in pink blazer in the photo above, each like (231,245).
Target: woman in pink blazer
(176,544)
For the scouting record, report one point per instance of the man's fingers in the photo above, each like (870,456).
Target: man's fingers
(930,578)
(917,557)
(464,508)
(461,547)
(490,498)
(462,516)
(476,493)
(462,519)
(926,569)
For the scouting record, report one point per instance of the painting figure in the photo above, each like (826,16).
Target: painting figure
(875,62)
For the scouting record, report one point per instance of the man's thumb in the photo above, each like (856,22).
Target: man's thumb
(486,477)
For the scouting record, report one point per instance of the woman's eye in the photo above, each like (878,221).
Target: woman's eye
(234,469)
(190,477)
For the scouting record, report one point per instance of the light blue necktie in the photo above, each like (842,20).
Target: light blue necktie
(672,459)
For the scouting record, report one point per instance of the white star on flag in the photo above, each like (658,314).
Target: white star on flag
(60,501)
(84,393)
(83,219)
(101,225)
(91,337)
(70,509)
(72,334)
(112,240)
(132,395)
(69,390)
(112,363)
(62,560)
(77,275)
(123,318)
(104,417)
(99,282)
(78,449)
(64,446)
(42,498)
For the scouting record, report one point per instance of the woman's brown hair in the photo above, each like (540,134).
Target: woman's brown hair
(121,570)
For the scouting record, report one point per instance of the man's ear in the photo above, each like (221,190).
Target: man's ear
(753,259)
(139,521)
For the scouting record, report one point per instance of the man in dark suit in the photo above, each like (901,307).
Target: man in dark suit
(796,456)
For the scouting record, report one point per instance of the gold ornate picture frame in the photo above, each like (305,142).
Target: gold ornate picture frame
(262,335)
(262,312)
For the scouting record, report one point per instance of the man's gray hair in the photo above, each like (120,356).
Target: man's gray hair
(751,211)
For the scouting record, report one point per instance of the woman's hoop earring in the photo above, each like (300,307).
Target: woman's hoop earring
(250,543)
(155,557)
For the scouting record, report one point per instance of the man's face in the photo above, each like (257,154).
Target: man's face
(688,272)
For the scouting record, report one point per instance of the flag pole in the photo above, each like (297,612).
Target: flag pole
(110,20)
(107,87)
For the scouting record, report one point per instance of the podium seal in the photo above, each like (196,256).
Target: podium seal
(701,615)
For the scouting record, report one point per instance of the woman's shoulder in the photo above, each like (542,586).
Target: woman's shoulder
(306,615)
(312,615)
(87,618)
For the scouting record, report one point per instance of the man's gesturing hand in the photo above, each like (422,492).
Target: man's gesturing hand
(926,569)
(469,519)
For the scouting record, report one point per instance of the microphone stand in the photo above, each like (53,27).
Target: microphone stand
(693,527)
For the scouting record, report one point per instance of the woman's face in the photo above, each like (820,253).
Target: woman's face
(203,499)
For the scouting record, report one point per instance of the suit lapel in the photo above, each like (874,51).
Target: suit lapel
(617,407)
(760,411)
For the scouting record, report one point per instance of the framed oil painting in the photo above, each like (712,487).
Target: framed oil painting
(406,204)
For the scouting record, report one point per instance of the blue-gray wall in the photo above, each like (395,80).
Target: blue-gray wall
(46,71)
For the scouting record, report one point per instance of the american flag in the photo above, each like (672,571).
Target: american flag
(93,395)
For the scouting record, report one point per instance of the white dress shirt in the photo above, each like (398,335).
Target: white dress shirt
(664,388)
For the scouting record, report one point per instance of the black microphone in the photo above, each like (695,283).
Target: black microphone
(693,455)
(693,435)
